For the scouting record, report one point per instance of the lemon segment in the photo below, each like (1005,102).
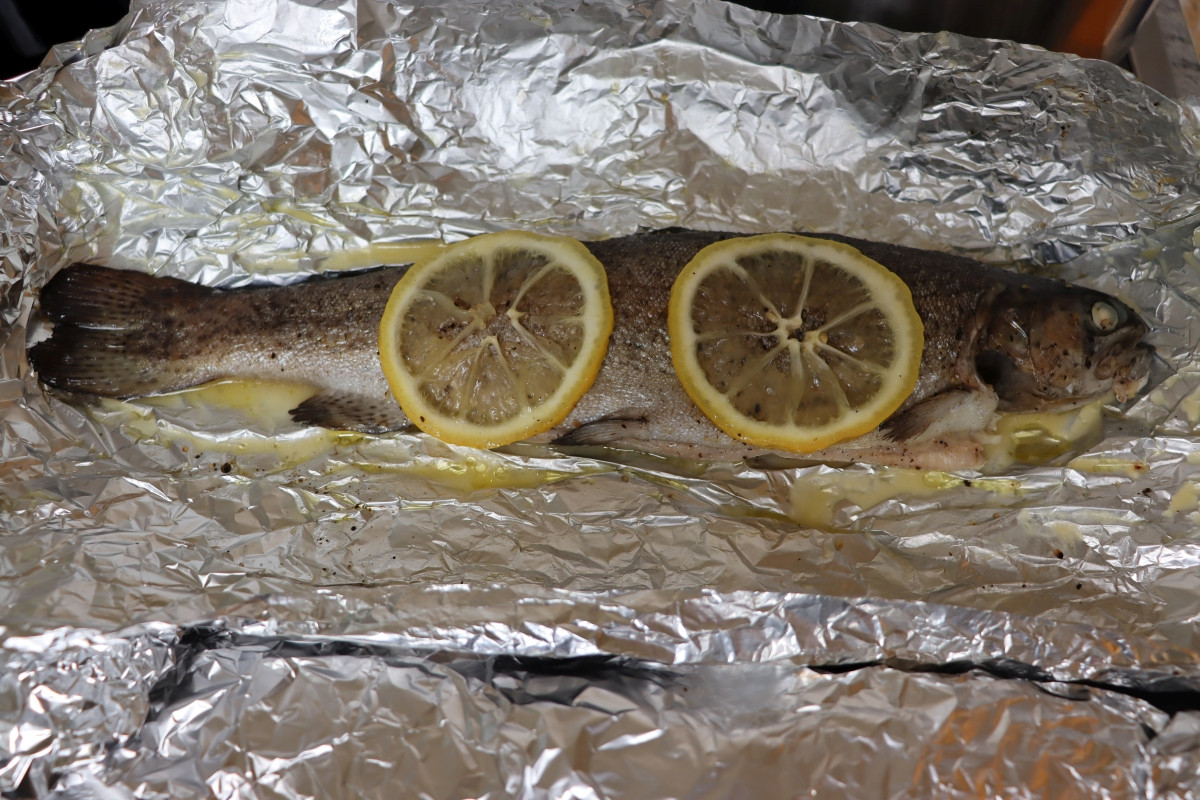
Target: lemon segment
(495,339)
(793,343)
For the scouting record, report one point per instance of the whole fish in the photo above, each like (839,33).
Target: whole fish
(995,341)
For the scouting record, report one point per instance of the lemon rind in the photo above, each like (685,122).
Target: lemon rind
(578,378)
(880,282)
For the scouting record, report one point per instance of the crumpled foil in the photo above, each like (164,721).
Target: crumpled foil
(199,603)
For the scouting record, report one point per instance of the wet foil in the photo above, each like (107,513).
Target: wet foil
(201,603)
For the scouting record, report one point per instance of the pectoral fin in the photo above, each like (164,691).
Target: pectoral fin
(351,412)
(605,432)
(950,413)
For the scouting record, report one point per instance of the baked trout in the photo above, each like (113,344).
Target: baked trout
(995,341)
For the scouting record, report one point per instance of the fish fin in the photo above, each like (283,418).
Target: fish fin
(110,336)
(957,451)
(780,461)
(344,411)
(604,431)
(89,295)
(953,412)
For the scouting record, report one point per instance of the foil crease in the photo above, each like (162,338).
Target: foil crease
(203,603)
(607,728)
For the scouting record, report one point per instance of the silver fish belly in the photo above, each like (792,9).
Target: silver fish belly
(994,340)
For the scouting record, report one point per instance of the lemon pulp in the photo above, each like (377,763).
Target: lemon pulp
(495,339)
(791,342)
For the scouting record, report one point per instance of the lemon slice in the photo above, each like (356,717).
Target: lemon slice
(496,339)
(793,343)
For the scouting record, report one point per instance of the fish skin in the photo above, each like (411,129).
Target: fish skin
(124,334)
(1035,340)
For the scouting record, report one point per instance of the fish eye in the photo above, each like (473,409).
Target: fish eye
(1106,317)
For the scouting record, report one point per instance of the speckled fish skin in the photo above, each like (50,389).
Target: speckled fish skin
(993,340)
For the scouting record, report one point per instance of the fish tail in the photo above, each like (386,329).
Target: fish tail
(116,333)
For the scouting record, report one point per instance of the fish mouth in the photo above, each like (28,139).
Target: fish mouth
(1131,373)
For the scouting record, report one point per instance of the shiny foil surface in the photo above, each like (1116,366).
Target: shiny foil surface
(207,602)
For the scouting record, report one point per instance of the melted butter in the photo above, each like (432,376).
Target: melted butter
(1065,536)
(1068,535)
(1192,261)
(1185,499)
(254,415)
(480,470)
(1190,405)
(279,206)
(348,258)
(408,252)
(816,499)
(254,419)
(1159,395)
(1130,468)
(256,422)
(288,451)
(1033,438)
(261,402)
(1041,437)
(1174,392)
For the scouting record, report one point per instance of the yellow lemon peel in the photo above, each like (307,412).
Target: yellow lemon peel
(496,338)
(791,342)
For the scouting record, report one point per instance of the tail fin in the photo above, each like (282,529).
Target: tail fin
(116,333)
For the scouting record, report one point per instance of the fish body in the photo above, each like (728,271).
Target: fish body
(994,341)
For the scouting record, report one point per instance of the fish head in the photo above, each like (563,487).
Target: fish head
(1054,346)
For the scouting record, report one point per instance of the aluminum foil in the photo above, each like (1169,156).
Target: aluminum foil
(201,602)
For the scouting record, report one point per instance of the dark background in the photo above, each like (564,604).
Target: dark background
(29,28)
